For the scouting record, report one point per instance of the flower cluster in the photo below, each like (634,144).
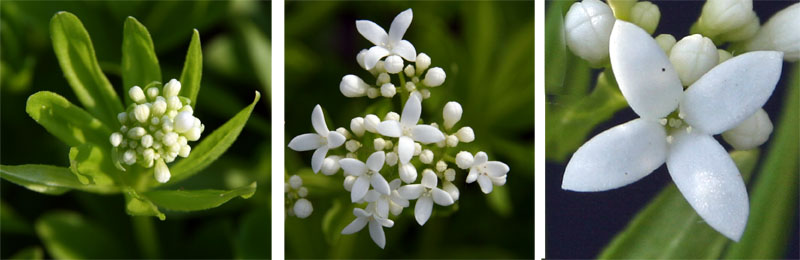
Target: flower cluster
(300,206)
(684,93)
(381,158)
(156,128)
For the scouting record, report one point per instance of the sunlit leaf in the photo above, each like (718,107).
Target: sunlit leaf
(185,200)
(137,205)
(500,201)
(67,235)
(139,62)
(92,165)
(192,69)
(47,179)
(76,55)
(69,123)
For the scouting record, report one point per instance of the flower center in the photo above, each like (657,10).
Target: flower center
(673,123)
(406,131)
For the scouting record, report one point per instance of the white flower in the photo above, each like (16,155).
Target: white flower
(426,194)
(368,174)
(751,132)
(302,208)
(487,172)
(387,44)
(698,164)
(376,224)
(323,140)
(780,33)
(588,25)
(385,202)
(353,86)
(408,131)
(693,56)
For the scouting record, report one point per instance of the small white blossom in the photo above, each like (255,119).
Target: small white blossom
(376,224)
(384,202)
(408,131)
(426,194)
(321,142)
(368,174)
(387,43)
(302,208)
(434,77)
(485,172)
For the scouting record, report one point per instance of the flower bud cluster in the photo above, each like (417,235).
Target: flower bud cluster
(296,193)
(156,128)
(417,77)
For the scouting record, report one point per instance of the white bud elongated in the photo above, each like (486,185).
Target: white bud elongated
(353,86)
(588,27)
(357,126)
(161,171)
(423,62)
(141,112)
(115,139)
(136,94)
(407,172)
(435,77)
(646,15)
(751,132)
(693,56)
(172,88)
(371,123)
(780,33)
(666,41)
(452,114)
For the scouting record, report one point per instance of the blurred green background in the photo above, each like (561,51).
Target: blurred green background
(486,48)
(236,52)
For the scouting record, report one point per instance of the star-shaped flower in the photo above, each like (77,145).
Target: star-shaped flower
(408,131)
(322,141)
(426,194)
(487,173)
(700,167)
(386,44)
(376,224)
(384,202)
(367,174)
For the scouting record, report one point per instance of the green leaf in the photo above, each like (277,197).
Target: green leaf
(254,233)
(92,165)
(33,252)
(555,46)
(335,219)
(139,61)
(773,201)
(75,54)
(67,235)
(182,200)
(192,69)
(69,123)
(12,222)
(213,146)
(500,201)
(670,228)
(47,179)
(137,205)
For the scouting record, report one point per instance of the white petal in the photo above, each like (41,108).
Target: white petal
(732,91)
(427,134)
(390,128)
(335,139)
(318,158)
(360,188)
(496,169)
(480,158)
(405,149)
(383,208)
(353,167)
(399,26)
(372,196)
(411,112)
(406,50)
(472,176)
(411,191)
(305,142)
(709,180)
(644,74)
(429,179)
(375,161)
(399,200)
(376,233)
(423,209)
(407,172)
(373,55)
(485,183)
(441,197)
(372,32)
(617,157)
(379,184)
(385,222)
(318,121)
(394,184)
(361,213)
(355,226)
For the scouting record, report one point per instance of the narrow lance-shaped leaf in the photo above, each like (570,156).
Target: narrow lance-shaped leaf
(212,146)
(47,179)
(67,235)
(75,54)
(183,200)
(69,123)
(192,69)
(139,61)
(137,205)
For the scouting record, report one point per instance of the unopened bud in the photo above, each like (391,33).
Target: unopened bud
(434,77)
(692,57)
(353,86)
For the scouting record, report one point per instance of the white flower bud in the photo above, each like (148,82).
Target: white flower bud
(371,123)
(441,166)
(115,139)
(122,117)
(393,64)
(409,70)
(744,32)
(435,77)
(417,148)
(357,126)
(646,15)
(388,90)
(343,132)
(426,93)
(348,182)
(391,158)
(152,92)
(170,139)
(751,132)
(136,132)
(183,122)
(129,157)
(194,133)
(136,94)
(302,208)
(723,55)
(373,93)
(780,33)
(379,144)
(423,62)
(465,134)
(147,141)
(141,113)
(353,86)
(391,115)
(452,114)
(379,68)
(172,88)
(352,145)
(451,141)
(693,56)
(182,140)
(588,27)
(161,172)
(383,78)
(360,58)
(426,156)
(720,16)
(302,192)
(666,41)
(408,173)
(174,103)
(410,86)
(351,156)
(450,175)
(388,145)
(330,165)
(148,155)
(464,160)
(451,189)
(295,182)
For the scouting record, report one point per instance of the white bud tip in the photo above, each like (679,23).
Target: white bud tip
(183,122)
(423,62)
(172,88)
(136,94)
(435,77)
(465,134)
(115,139)
(452,114)
(161,171)
(393,64)
(464,160)
(353,86)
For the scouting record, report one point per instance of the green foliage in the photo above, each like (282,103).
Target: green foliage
(192,69)
(71,124)
(182,200)
(139,62)
(46,179)
(67,235)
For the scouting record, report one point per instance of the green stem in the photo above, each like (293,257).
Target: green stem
(403,94)
(146,236)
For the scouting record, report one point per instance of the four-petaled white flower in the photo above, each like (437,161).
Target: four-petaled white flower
(368,174)
(384,202)
(700,167)
(386,44)
(487,173)
(376,224)
(426,194)
(322,141)
(408,131)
